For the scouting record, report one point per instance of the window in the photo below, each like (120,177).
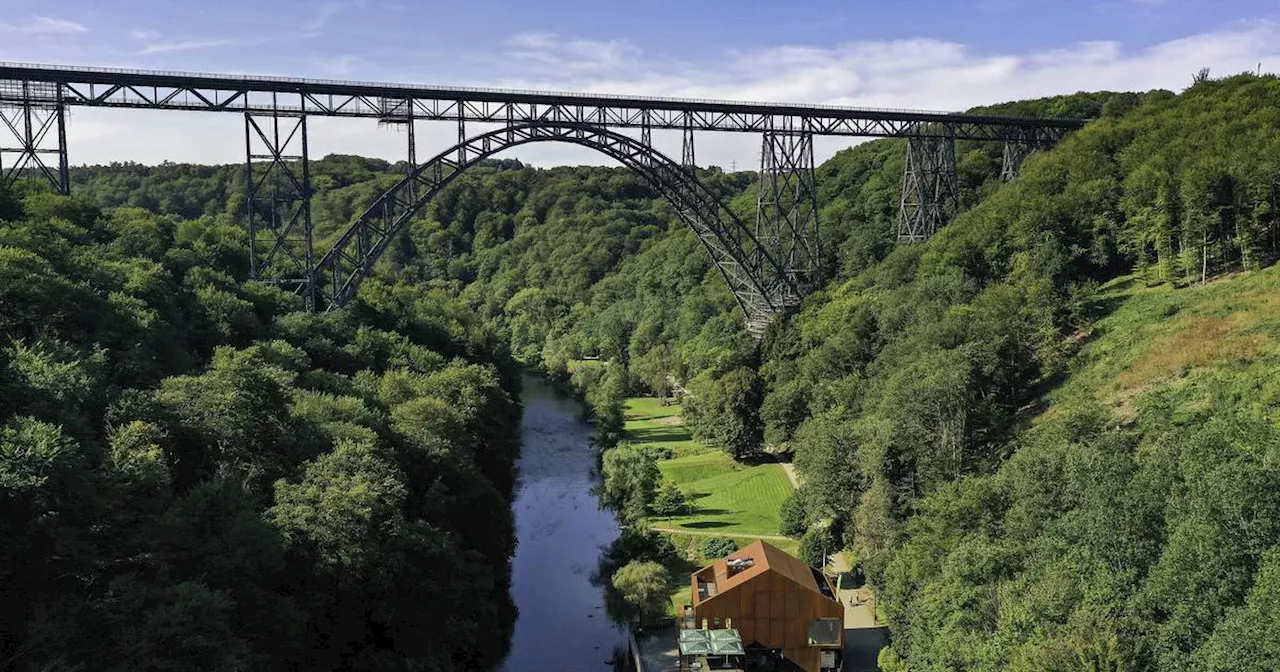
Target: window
(825,632)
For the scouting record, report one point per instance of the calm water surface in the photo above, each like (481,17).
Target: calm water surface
(562,625)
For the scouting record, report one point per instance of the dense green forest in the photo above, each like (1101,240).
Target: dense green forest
(991,423)
(196,476)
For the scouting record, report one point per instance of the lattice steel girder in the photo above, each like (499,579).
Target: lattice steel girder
(278,201)
(787,210)
(1014,154)
(185,91)
(930,189)
(33,134)
(687,157)
(731,245)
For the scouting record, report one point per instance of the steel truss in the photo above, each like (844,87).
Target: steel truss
(749,269)
(278,201)
(231,93)
(930,191)
(769,267)
(687,158)
(1016,150)
(787,213)
(400,113)
(34,116)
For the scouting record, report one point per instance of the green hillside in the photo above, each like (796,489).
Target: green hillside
(1134,524)
(194,474)
(1048,433)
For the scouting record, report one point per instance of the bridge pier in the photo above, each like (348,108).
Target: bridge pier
(930,190)
(34,115)
(1016,150)
(397,112)
(686,155)
(412,155)
(786,221)
(278,201)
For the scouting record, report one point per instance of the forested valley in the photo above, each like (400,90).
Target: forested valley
(1048,435)
(198,476)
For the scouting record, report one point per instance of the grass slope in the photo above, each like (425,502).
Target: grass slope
(731,499)
(1184,340)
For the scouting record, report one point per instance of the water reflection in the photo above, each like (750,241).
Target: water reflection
(563,625)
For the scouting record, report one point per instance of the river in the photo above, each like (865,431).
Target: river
(562,626)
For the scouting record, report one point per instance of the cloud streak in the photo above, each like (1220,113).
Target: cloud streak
(43,25)
(914,73)
(185,45)
(909,73)
(324,14)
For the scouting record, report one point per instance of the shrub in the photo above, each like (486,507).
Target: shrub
(638,544)
(793,517)
(716,547)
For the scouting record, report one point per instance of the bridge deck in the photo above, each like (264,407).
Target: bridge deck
(23,83)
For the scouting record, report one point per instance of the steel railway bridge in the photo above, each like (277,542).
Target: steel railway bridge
(769,263)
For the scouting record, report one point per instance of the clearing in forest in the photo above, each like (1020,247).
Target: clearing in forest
(1162,338)
(727,497)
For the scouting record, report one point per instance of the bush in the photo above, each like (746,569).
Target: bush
(716,547)
(793,517)
(630,485)
(659,452)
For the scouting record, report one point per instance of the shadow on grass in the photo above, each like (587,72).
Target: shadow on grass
(700,512)
(705,524)
(757,459)
(657,435)
(679,569)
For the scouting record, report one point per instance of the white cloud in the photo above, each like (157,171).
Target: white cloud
(338,65)
(43,25)
(917,73)
(185,45)
(551,54)
(324,13)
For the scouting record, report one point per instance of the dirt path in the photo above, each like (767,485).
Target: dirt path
(790,470)
(700,533)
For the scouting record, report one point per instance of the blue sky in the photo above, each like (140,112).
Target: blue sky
(916,53)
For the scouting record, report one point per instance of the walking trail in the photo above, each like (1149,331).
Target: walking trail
(790,470)
(703,533)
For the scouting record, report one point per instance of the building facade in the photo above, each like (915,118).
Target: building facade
(781,606)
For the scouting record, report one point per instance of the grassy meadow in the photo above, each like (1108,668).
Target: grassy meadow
(739,501)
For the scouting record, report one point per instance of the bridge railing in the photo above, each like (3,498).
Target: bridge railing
(434,88)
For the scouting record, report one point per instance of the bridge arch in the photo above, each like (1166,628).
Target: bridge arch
(757,281)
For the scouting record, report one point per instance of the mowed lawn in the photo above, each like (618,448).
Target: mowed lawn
(728,498)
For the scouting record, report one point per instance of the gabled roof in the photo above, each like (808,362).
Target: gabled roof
(766,558)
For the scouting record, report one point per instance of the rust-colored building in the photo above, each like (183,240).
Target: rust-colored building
(777,602)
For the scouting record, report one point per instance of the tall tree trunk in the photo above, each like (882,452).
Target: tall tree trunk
(1204,255)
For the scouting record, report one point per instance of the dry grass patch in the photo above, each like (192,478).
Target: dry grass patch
(1201,342)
